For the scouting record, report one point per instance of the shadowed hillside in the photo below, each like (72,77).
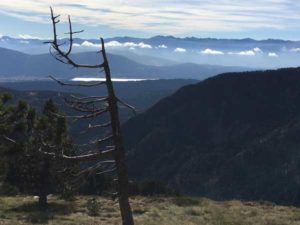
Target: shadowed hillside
(231,136)
(141,95)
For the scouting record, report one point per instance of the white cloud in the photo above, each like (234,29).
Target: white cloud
(257,50)
(90,44)
(252,52)
(209,51)
(162,46)
(136,45)
(131,45)
(295,50)
(27,36)
(181,50)
(1,35)
(76,45)
(243,53)
(272,54)
(115,44)
(247,53)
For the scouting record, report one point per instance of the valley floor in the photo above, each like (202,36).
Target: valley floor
(147,211)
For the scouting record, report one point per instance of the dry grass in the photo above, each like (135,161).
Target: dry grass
(148,211)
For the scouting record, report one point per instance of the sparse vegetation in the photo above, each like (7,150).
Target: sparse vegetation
(147,211)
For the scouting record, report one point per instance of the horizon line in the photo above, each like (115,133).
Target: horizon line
(29,37)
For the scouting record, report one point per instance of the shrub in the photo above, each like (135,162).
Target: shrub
(67,194)
(93,207)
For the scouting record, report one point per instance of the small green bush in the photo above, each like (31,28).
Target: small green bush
(67,194)
(93,207)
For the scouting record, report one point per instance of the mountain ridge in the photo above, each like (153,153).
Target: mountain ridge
(247,52)
(41,66)
(156,37)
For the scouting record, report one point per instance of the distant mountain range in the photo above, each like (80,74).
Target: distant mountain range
(167,50)
(15,65)
(233,136)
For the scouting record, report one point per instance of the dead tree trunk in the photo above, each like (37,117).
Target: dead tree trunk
(88,108)
(120,152)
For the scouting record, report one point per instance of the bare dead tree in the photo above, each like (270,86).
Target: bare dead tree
(109,158)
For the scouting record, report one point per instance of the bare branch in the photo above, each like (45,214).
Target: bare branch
(90,157)
(88,97)
(81,158)
(90,169)
(88,116)
(128,106)
(84,108)
(95,167)
(85,102)
(65,55)
(10,140)
(107,171)
(102,140)
(75,32)
(99,125)
(52,154)
(71,37)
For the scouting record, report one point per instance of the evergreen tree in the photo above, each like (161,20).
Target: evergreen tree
(14,127)
(4,112)
(42,175)
(23,134)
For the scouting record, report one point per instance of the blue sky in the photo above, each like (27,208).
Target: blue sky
(259,19)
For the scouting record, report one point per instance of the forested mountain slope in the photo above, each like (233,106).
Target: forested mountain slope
(236,135)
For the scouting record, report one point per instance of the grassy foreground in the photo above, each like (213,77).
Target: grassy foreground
(147,211)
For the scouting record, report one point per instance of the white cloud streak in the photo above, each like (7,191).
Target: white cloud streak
(27,36)
(257,50)
(252,52)
(272,54)
(115,44)
(164,17)
(295,50)
(90,44)
(209,51)
(180,50)
(243,53)
(162,46)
